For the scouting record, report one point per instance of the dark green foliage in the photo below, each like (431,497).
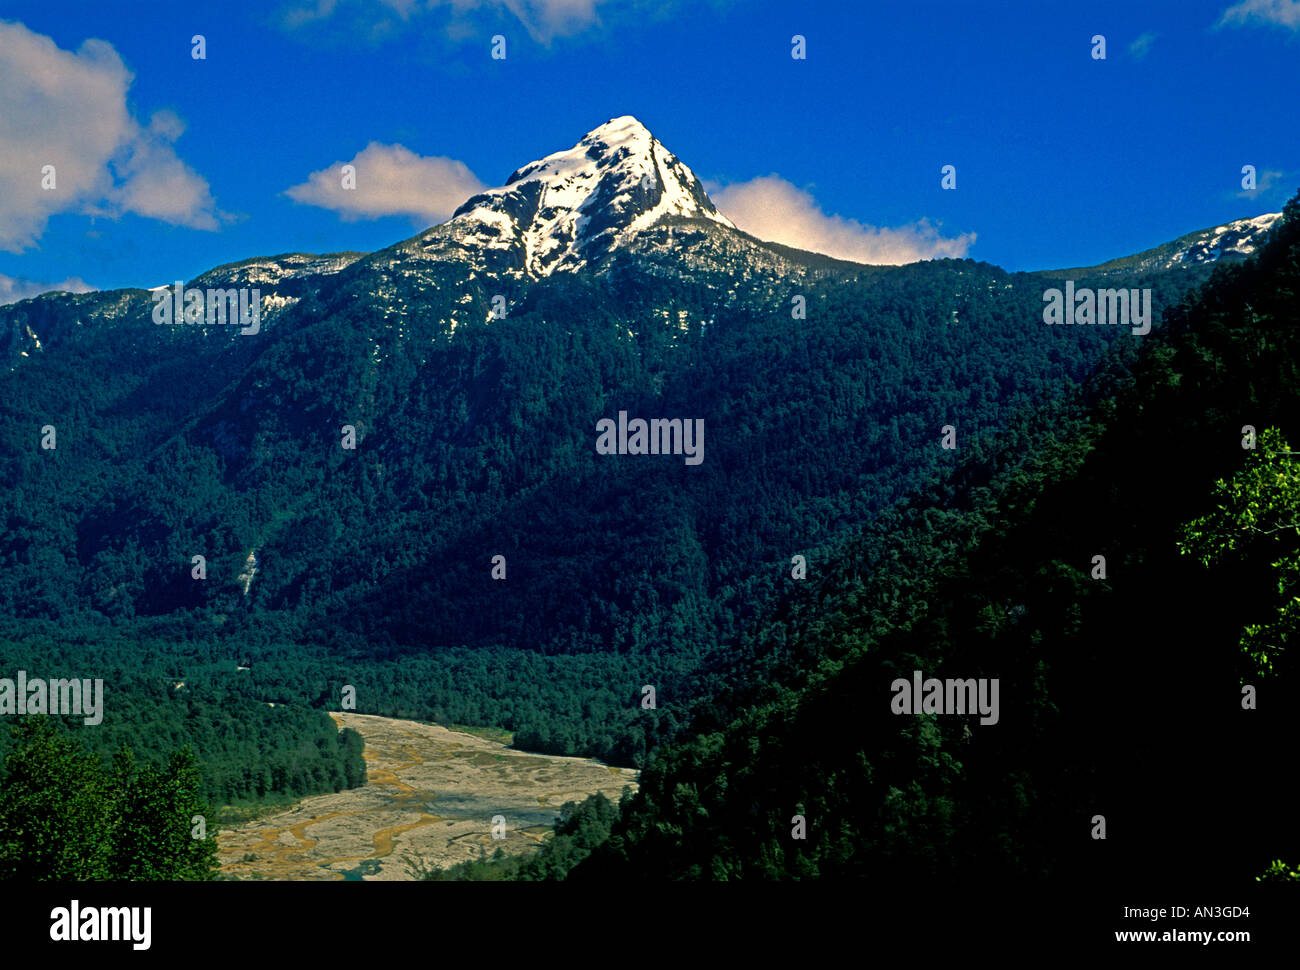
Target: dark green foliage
(1118,696)
(64,816)
(247,748)
(621,572)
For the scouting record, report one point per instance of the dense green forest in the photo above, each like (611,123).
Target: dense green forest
(620,573)
(248,748)
(64,815)
(1123,696)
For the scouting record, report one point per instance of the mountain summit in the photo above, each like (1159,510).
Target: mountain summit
(568,209)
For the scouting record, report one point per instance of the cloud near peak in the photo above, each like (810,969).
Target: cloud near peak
(773,209)
(391,180)
(15,288)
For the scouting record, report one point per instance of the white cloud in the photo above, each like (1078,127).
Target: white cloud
(1265,182)
(298,16)
(543,19)
(1142,46)
(391,181)
(771,208)
(157,184)
(1280,13)
(70,110)
(15,288)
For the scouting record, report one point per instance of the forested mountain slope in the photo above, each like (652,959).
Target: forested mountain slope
(1122,697)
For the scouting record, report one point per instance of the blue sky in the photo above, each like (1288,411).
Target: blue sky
(171,165)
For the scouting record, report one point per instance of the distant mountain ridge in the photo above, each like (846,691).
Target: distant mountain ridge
(1230,242)
(618,200)
(276,269)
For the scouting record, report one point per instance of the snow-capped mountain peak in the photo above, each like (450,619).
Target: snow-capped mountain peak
(567,209)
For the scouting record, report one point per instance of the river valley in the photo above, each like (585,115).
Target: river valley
(430,799)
